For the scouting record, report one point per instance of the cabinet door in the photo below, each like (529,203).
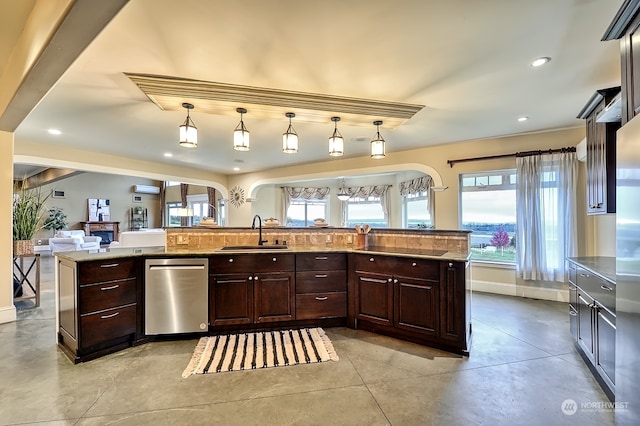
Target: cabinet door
(606,345)
(455,301)
(230,299)
(374,298)
(586,324)
(274,297)
(416,307)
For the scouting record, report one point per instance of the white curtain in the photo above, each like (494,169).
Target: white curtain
(421,184)
(546,215)
(380,191)
(291,192)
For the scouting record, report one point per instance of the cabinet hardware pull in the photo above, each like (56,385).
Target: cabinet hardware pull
(414,264)
(274,259)
(109,316)
(113,287)
(255,278)
(321,258)
(389,280)
(373,280)
(230,260)
(605,287)
(395,280)
(321,275)
(321,298)
(572,287)
(573,314)
(450,264)
(250,278)
(371,259)
(584,275)
(110,265)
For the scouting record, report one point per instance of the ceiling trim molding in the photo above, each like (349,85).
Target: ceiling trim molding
(168,93)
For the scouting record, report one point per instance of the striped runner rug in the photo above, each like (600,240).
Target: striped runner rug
(246,351)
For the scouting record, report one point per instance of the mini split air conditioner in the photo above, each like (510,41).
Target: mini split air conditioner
(146,189)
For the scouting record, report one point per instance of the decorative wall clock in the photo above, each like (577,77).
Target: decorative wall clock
(236,196)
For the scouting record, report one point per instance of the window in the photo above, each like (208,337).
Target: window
(364,210)
(415,209)
(200,205)
(172,214)
(302,212)
(488,208)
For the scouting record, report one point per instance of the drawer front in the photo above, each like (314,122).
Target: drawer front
(232,263)
(321,261)
(106,325)
(405,266)
(598,288)
(106,270)
(321,281)
(321,305)
(101,296)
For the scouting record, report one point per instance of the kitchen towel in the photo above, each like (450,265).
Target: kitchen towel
(245,351)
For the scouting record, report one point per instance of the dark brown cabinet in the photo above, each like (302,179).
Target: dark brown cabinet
(321,285)
(420,300)
(247,289)
(601,153)
(98,306)
(593,326)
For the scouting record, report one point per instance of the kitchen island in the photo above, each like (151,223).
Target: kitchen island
(421,294)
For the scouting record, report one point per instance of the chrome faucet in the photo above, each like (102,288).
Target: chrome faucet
(253,226)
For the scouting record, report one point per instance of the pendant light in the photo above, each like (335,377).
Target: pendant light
(336,141)
(188,130)
(241,134)
(343,194)
(290,137)
(377,143)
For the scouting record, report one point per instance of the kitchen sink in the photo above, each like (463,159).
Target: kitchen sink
(240,248)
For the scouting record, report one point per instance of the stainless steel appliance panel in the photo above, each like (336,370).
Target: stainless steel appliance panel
(176,295)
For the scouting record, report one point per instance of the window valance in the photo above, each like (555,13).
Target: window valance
(413,186)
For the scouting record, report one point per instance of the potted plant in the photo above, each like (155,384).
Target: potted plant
(28,212)
(56,221)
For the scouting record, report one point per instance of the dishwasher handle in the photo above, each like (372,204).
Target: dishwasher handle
(175,267)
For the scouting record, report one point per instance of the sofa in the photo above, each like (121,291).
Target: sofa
(72,241)
(141,238)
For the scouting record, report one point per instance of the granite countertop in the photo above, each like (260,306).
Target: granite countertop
(114,253)
(600,265)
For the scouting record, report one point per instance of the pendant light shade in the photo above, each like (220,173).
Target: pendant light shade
(336,141)
(343,194)
(377,143)
(188,130)
(290,137)
(241,134)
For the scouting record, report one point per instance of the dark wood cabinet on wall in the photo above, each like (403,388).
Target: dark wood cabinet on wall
(625,27)
(601,150)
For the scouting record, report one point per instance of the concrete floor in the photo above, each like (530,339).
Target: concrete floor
(521,369)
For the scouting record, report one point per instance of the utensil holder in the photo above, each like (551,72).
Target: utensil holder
(362,241)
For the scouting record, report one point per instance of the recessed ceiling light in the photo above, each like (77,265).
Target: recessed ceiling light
(523,119)
(236,169)
(54,132)
(168,154)
(540,61)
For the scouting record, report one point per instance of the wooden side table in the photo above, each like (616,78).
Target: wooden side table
(22,276)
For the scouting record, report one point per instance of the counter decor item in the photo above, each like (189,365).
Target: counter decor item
(271,222)
(362,236)
(208,222)
(28,213)
(250,351)
(320,222)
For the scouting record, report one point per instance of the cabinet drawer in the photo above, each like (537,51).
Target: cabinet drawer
(601,290)
(405,266)
(225,264)
(321,261)
(321,281)
(106,270)
(572,273)
(105,325)
(321,305)
(101,296)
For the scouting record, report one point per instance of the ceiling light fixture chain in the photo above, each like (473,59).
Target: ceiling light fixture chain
(336,141)
(241,134)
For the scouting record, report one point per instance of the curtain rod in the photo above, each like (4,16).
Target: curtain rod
(515,154)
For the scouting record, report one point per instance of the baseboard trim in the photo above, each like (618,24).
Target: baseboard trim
(542,293)
(8,314)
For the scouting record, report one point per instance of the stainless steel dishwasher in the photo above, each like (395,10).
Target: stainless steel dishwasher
(176,298)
